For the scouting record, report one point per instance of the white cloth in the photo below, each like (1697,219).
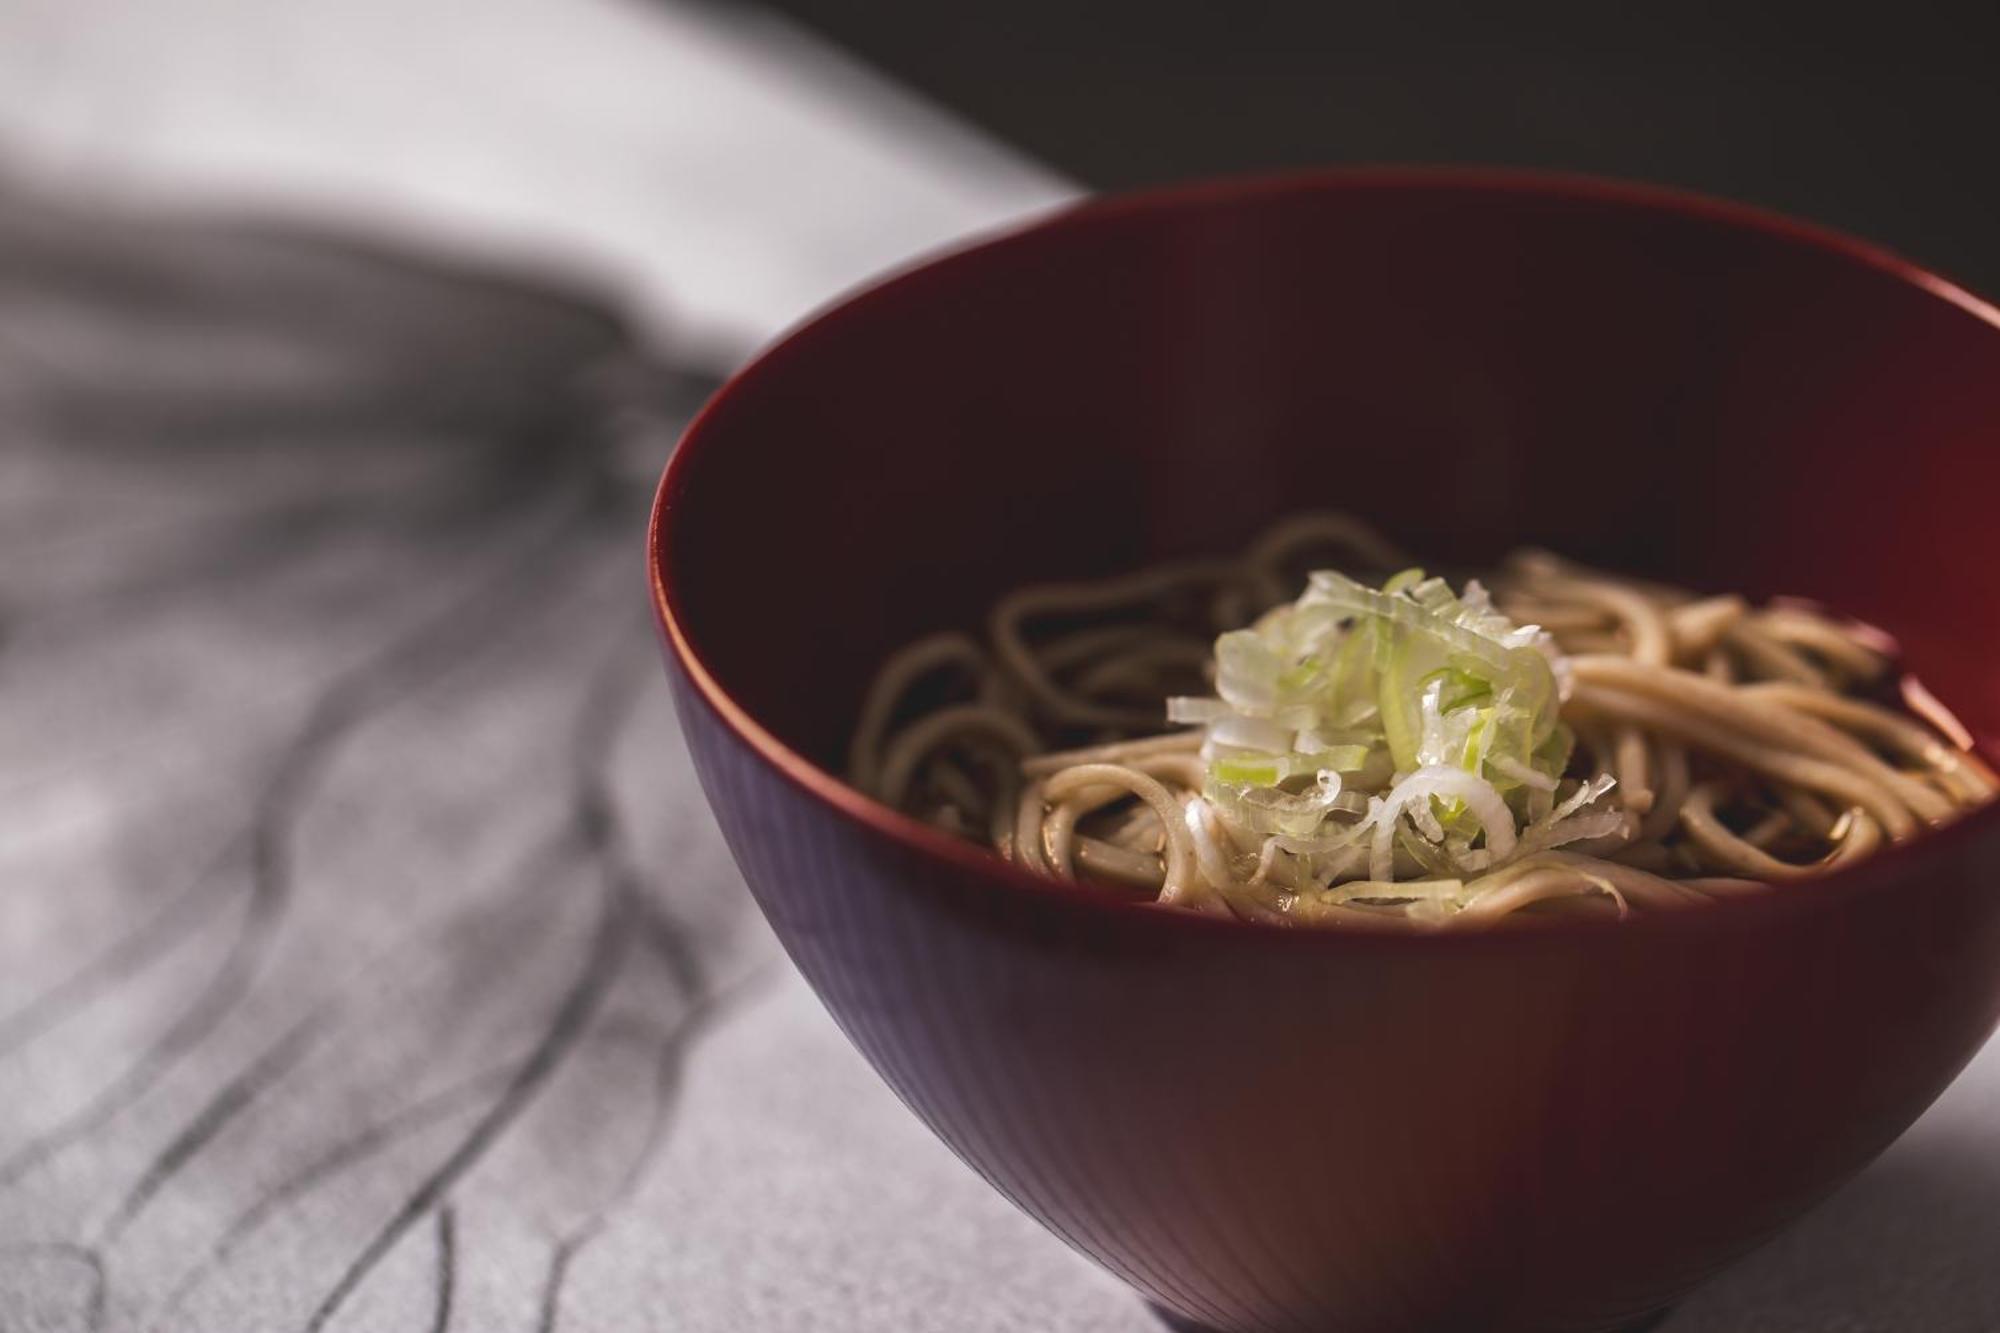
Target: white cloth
(714,168)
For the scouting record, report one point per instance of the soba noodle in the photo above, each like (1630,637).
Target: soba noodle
(1393,751)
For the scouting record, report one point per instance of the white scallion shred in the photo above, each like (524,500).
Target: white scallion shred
(1209,855)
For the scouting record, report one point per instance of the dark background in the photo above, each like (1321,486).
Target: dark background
(1879,119)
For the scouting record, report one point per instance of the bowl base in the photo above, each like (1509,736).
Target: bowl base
(1182,1324)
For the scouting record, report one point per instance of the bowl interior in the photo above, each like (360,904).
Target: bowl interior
(1659,384)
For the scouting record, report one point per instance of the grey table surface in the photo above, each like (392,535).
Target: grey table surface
(368,958)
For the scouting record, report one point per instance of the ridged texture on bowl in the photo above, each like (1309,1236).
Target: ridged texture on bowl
(1540,1129)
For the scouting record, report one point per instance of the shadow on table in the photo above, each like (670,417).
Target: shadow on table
(122,321)
(339,886)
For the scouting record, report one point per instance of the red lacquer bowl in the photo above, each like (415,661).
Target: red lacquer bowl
(1554,1128)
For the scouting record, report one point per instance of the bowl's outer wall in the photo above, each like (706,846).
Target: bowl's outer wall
(1514,1131)
(1260,1130)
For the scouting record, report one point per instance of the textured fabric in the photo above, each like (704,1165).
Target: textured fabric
(368,954)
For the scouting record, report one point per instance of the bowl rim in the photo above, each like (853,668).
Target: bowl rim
(1822,893)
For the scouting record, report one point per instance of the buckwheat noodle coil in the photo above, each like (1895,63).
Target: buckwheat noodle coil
(1382,747)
